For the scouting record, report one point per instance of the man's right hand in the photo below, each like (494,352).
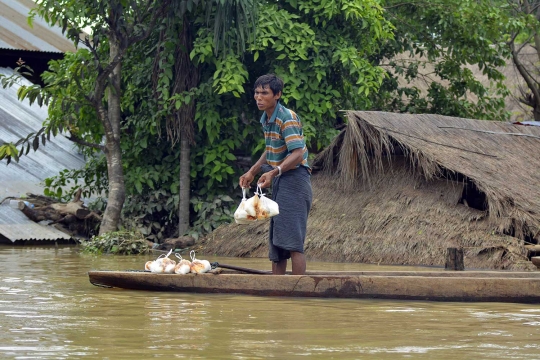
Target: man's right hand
(246,179)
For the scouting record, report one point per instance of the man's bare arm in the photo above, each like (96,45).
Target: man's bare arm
(290,162)
(247,178)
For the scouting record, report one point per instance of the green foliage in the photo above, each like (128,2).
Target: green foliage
(230,76)
(68,82)
(117,243)
(91,179)
(226,117)
(73,82)
(431,57)
(322,53)
(332,56)
(9,151)
(31,141)
(211,213)
(321,76)
(151,214)
(320,49)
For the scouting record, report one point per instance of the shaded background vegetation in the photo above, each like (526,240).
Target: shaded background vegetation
(183,92)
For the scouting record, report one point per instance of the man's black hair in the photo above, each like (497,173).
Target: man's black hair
(272,81)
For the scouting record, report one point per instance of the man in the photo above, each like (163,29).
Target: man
(285,165)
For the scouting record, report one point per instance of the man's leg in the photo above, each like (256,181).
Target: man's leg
(298,263)
(280,267)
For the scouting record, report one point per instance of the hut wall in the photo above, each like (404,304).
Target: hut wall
(399,219)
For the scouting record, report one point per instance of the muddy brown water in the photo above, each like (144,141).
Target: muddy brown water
(49,310)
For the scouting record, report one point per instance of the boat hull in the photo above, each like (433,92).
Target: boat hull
(434,286)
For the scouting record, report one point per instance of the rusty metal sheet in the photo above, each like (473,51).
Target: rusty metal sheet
(15,33)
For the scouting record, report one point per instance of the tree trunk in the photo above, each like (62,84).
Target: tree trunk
(536,105)
(537,16)
(115,171)
(536,112)
(114,96)
(183,208)
(115,201)
(72,218)
(187,77)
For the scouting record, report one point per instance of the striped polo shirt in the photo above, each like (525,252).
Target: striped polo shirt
(283,134)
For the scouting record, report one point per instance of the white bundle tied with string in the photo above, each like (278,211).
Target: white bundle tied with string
(161,265)
(266,207)
(246,212)
(183,266)
(199,266)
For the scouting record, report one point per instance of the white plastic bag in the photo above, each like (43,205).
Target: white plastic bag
(199,266)
(246,211)
(257,207)
(161,265)
(251,206)
(266,207)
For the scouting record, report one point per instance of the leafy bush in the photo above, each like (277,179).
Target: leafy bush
(118,243)
(153,214)
(211,213)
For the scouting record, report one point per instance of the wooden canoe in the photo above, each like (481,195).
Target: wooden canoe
(500,286)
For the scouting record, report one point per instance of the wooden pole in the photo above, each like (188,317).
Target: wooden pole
(243,269)
(454,259)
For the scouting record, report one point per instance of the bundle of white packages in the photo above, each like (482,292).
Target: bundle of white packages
(267,207)
(258,207)
(246,212)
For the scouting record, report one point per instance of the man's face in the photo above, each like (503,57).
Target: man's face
(265,98)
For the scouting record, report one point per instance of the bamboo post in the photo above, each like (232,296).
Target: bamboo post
(454,259)
(536,261)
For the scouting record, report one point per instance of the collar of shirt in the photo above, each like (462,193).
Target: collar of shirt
(274,114)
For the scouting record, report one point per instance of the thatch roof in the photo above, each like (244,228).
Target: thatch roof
(400,189)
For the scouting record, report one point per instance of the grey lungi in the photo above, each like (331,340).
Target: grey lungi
(292,191)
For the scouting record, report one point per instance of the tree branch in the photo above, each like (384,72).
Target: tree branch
(403,61)
(534,8)
(131,40)
(530,83)
(86,42)
(156,14)
(79,141)
(513,39)
(528,9)
(124,44)
(400,4)
(524,101)
(535,34)
(102,77)
(525,43)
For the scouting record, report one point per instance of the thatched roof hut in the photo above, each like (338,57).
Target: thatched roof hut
(401,189)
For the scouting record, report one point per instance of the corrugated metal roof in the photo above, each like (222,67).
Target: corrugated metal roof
(529,123)
(17,120)
(15,33)
(14,225)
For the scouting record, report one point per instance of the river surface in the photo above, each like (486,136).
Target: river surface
(49,310)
